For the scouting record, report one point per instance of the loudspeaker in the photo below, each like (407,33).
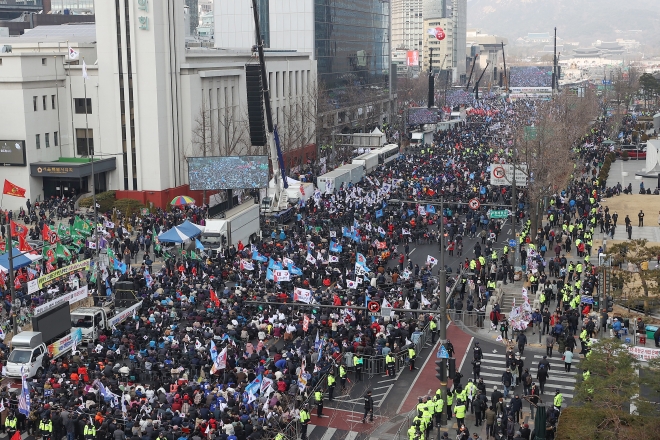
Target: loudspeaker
(125,294)
(255,105)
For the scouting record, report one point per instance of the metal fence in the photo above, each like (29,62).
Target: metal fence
(292,430)
(472,319)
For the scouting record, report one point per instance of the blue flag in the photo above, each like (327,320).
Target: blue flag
(269,274)
(214,351)
(430,209)
(379,213)
(258,257)
(334,247)
(346,232)
(199,245)
(411,213)
(293,270)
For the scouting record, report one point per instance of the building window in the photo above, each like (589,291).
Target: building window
(47,138)
(56,139)
(34,103)
(43,101)
(37,138)
(44,61)
(84,141)
(52,101)
(83,106)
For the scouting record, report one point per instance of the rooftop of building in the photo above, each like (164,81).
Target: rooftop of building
(71,32)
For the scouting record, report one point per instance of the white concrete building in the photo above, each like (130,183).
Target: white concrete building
(407,25)
(146,93)
(451,16)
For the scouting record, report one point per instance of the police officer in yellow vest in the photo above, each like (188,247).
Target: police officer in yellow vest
(357,363)
(342,376)
(557,401)
(304,421)
(390,361)
(434,330)
(90,431)
(10,424)
(459,412)
(450,402)
(439,406)
(46,427)
(280,436)
(318,398)
(412,355)
(331,385)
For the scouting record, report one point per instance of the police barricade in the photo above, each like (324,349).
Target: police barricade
(472,319)
(374,365)
(292,429)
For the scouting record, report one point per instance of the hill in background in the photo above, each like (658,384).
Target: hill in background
(576,20)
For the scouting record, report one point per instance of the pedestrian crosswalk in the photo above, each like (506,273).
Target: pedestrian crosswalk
(494,364)
(315,432)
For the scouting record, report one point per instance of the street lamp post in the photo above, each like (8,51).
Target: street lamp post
(12,289)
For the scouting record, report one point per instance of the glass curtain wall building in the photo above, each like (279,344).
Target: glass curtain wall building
(352,46)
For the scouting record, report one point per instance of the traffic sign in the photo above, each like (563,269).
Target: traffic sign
(442,353)
(498,172)
(474,204)
(373,308)
(512,243)
(502,213)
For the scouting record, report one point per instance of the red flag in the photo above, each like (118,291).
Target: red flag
(214,298)
(48,235)
(3,246)
(3,279)
(18,230)
(13,190)
(16,436)
(23,245)
(17,283)
(430,192)
(49,267)
(30,276)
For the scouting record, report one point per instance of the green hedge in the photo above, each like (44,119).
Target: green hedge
(105,199)
(128,207)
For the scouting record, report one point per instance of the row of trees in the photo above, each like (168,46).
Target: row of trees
(546,147)
(618,400)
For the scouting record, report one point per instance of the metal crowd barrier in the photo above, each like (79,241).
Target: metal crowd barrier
(472,319)
(292,430)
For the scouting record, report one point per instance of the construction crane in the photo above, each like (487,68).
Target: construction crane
(474,61)
(279,198)
(476,86)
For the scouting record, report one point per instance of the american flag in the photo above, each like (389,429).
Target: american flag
(24,398)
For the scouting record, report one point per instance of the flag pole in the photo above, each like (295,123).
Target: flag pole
(12,288)
(90,152)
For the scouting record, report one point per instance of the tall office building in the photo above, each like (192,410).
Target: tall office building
(349,39)
(72,6)
(193,11)
(449,54)
(407,24)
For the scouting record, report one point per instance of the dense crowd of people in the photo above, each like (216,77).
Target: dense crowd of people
(157,374)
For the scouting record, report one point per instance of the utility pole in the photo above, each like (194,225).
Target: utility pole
(442,286)
(514,205)
(431,79)
(12,289)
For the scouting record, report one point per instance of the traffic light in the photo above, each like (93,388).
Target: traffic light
(452,368)
(441,369)
(609,303)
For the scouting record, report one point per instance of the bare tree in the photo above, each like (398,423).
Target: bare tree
(547,146)
(202,132)
(232,138)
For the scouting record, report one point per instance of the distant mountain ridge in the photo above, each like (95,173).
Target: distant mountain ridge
(576,20)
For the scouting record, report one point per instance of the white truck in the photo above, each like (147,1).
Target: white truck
(241,223)
(368,160)
(92,321)
(356,170)
(28,350)
(332,181)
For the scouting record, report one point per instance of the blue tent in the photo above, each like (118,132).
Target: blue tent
(190,229)
(20,260)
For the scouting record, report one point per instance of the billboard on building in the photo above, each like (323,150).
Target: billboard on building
(227,172)
(412,58)
(12,153)
(530,76)
(423,115)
